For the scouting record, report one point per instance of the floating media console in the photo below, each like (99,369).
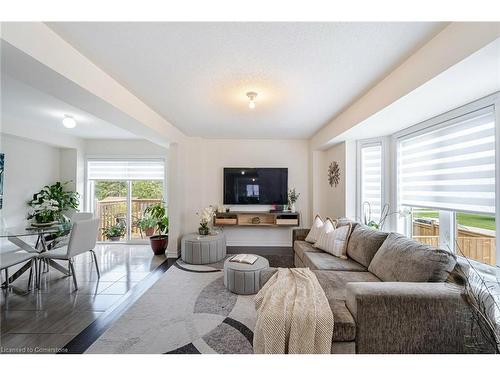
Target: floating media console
(257,219)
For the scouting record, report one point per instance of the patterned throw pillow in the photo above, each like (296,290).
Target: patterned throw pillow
(313,234)
(335,242)
(328,226)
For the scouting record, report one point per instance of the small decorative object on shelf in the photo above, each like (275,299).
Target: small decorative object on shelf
(206,216)
(293,196)
(333,174)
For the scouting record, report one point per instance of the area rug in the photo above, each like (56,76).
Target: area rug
(187,311)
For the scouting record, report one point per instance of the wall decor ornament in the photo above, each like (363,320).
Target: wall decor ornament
(333,174)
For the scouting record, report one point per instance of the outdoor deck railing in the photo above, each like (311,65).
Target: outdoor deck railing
(474,245)
(111,209)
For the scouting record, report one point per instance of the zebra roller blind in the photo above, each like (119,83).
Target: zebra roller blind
(451,167)
(371,178)
(126,169)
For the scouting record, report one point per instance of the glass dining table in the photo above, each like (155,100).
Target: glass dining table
(21,236)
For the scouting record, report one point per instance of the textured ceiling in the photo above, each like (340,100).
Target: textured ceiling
(196,74)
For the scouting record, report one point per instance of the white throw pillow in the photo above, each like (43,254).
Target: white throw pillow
(328,226)
(335,242)
(313,234)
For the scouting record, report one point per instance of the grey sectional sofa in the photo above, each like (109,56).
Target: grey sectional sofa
(392,294)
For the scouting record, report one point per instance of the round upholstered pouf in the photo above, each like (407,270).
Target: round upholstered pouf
(242,278)
(196,249)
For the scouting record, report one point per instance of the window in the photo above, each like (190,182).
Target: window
(370,195)
(446,177)
(120,190)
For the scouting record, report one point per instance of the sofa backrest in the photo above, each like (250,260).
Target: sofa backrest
(364,243)
(403,259)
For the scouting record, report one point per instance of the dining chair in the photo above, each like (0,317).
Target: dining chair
(14,257)
(82,238)
(63,240)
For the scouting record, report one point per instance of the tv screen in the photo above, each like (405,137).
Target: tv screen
(255,185)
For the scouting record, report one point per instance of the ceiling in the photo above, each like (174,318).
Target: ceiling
(196,74)
(475,77)
(24,105)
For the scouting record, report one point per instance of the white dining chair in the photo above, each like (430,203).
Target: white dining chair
(14,257)
(63,241)
(82,238)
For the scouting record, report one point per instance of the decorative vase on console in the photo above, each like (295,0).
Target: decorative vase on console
(206,216)
(293,196)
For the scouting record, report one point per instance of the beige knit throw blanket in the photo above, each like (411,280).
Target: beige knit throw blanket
(293,315)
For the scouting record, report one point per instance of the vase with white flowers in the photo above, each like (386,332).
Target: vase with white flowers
(206,216)
(45,213)
(293,196)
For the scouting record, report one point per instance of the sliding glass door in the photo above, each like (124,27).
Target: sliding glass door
(118,192)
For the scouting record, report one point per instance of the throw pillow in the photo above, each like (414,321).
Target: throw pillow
(313,234)
(364,244)
(403,259)
(335,242)
(328,226)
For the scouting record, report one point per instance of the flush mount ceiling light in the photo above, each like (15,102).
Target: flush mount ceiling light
(69,122)
(251,95)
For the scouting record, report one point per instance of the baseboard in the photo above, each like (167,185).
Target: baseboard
(260,243)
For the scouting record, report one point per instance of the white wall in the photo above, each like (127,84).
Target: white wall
(205,160)
(336,201)
(29,165)
(123,148)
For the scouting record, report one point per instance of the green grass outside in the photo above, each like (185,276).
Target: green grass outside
(469,220)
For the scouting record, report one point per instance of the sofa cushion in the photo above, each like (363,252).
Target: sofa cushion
(327,262)
(341,221)
(335,283)
(403,259)
(364,243)
(328,226)
(301,247)
(313,234)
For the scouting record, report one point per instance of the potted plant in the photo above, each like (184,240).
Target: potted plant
(159,242)
(147,225)
(44,213)
(114,232)
(293,196)
(206,215)
(52,202)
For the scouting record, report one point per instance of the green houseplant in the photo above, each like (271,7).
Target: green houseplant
(114,232)
(293,196)
(52,202)
(159,242)
(147,224)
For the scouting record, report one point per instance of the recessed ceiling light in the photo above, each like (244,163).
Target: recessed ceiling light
(69,122)
(251,95)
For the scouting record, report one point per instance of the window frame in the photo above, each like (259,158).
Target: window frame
(89,193)
(437,122)
(384,178)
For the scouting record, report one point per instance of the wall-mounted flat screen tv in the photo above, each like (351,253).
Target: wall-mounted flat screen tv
(256,186)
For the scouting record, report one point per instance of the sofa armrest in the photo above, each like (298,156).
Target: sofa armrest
(396,317)
(299,234)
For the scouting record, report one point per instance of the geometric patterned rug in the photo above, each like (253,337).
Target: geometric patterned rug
(187,311)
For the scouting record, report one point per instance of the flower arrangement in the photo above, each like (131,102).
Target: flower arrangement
(46,211)
(293,196)
(206,215)
(50,203)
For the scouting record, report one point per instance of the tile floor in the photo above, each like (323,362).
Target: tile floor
(43,321)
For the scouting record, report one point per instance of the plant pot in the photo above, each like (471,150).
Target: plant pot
(292,207)
(114,238)
(149,232)
(203,231)
(159,244)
